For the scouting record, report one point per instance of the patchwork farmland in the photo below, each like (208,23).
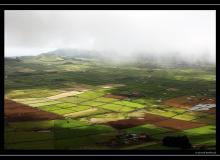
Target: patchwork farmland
(85,104)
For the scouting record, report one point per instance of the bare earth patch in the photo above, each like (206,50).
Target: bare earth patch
(188,101)
(19,112)
(115,96)
(157,120)
(178,124)
(132,122)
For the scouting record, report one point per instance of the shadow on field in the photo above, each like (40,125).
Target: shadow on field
(65,134)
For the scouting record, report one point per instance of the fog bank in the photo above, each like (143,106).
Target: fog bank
(189,35)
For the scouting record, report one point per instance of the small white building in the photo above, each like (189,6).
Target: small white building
(202,107)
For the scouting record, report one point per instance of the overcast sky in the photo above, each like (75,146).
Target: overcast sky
(188,33)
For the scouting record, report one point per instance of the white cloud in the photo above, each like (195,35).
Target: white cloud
(189,33)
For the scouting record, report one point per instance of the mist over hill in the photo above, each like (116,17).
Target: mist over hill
(140,59)
(118,37)
(169,59)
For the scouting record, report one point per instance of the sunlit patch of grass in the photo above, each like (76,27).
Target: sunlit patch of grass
(116,108)
(129,104)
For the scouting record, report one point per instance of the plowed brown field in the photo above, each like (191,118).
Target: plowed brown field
(188,102)
(156,120)
(178,124)
(128,123)
(19,112)
(115,96)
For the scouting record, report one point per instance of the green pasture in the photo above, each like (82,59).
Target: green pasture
(129,104)
(116,108)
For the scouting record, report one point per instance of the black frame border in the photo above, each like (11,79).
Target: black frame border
(104,7)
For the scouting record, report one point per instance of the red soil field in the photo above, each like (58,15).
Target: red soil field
(128,123)
(115,96)
(156,120)
(188,102)
(178,124)
(19,112)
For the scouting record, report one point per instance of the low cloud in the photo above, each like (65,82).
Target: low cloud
(187,34)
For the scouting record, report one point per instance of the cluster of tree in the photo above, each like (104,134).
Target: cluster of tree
(177,141)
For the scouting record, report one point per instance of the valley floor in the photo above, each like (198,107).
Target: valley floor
(84,105)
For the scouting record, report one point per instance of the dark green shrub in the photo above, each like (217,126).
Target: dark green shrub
(177,141)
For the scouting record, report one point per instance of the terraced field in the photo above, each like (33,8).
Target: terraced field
(87,105)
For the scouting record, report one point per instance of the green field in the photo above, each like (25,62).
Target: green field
(33,80)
